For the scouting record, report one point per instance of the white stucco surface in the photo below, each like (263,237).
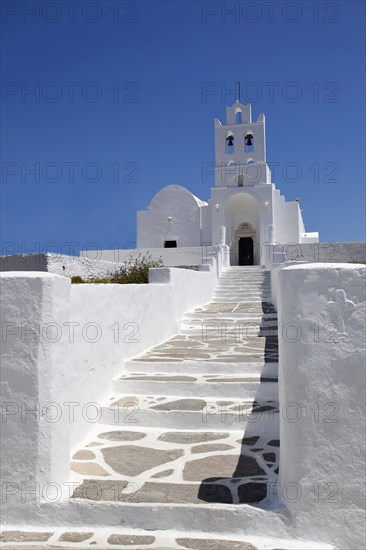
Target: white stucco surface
(129,319)
(60,264)
(319,252)
(35,368)
(322,331)
(181,256)
(174,214)
(98,327)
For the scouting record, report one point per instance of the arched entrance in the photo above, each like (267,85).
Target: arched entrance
(244,245)
(242,220)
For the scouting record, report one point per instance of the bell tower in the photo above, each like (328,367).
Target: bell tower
(240,149)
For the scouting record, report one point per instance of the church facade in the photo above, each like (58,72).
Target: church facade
(245,210)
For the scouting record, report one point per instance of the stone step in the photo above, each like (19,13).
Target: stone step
(243,290)
(242,299)
(223,307)
(234,316)
(174,466)
(136,366)
(232,279)
(240,328)
(231,322)
(239,299)
(57,536)
(200,385)
(260,283)
(192,429)
(180,412)
(231,312)
(242,286)
(240,336)
(245,271)
(245,268)
(213,346)
(245,275)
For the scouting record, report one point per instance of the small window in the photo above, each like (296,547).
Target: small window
(240,180)
(238,117)
(170,244)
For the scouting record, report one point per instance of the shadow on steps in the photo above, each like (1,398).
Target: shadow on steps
(255,477)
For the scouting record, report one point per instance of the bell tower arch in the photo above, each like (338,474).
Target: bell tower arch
(240,148)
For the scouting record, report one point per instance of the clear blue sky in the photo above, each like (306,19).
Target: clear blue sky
(158,126)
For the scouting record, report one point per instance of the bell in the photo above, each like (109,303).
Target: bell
(249,140)
(230,141)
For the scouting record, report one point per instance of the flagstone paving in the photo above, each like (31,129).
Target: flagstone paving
(192,426)
(101,539)
(198,437)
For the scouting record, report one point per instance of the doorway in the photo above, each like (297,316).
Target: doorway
(246,251)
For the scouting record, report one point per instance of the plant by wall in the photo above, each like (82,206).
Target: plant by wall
(134,271)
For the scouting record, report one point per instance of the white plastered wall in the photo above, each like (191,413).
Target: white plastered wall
(174,214)
(85,334)
(322,400)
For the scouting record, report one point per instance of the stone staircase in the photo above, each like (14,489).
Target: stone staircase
(188,445)
(195,419)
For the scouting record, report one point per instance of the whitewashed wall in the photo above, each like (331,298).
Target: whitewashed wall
(97,328)
(129,319)
(172,215)
(35,374)
(287,220)
(59,264)
(180,256)
(319,252)
(322,400)
(98,263)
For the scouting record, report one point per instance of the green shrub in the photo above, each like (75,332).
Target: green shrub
(77,280)
(134,271)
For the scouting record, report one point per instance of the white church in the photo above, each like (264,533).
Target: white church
(200,410)
(245,211)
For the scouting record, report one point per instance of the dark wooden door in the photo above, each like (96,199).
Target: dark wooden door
(246,256)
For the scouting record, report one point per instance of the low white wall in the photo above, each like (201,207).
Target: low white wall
(319,252)
(99,263)
(171,256)
(129,319)
(35,371)
(97,328)
(59,264)
(322,400)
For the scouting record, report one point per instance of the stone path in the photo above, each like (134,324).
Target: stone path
(188,445)
(101,539)
(206,432)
